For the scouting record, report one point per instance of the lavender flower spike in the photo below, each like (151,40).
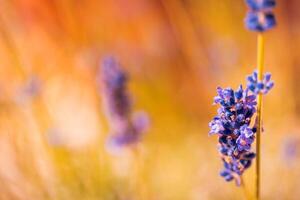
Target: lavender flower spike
(233,128)
(232,125)
(126,127)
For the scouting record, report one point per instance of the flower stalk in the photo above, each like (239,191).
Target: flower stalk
(260,66)
(260,18)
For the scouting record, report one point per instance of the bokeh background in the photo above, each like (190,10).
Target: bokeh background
(176,52)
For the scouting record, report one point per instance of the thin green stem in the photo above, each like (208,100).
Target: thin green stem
(260,65)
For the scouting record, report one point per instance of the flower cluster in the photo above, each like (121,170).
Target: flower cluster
(126,127)
(260,17)
(257,86)
(234,129)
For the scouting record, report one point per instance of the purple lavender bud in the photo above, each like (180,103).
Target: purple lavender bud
(227,175)
(248,156)
(245,130)
(246,163)
(225,97)
(256,86)
(268,77)
(239,93)
(216,126)
(244,142)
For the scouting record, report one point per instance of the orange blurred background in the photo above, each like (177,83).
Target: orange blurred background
(53,131)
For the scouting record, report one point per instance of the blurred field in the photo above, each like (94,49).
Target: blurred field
(52,127)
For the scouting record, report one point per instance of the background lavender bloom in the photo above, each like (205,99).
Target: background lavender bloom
(128,132)
(257,5)
(260,17)
(33,86)
(263,86)
(260,21)
(126,127)
(291,150)
(114,89)
(30,89)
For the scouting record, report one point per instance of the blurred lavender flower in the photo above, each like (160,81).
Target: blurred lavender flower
(260,21)
(232,124)
(260,17)
(126,127)
(30,89)
(291,150)
(33,86)
(259,86)
(258,5)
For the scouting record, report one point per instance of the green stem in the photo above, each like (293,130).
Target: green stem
(260,64)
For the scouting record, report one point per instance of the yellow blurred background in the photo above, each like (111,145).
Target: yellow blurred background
(176,52)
